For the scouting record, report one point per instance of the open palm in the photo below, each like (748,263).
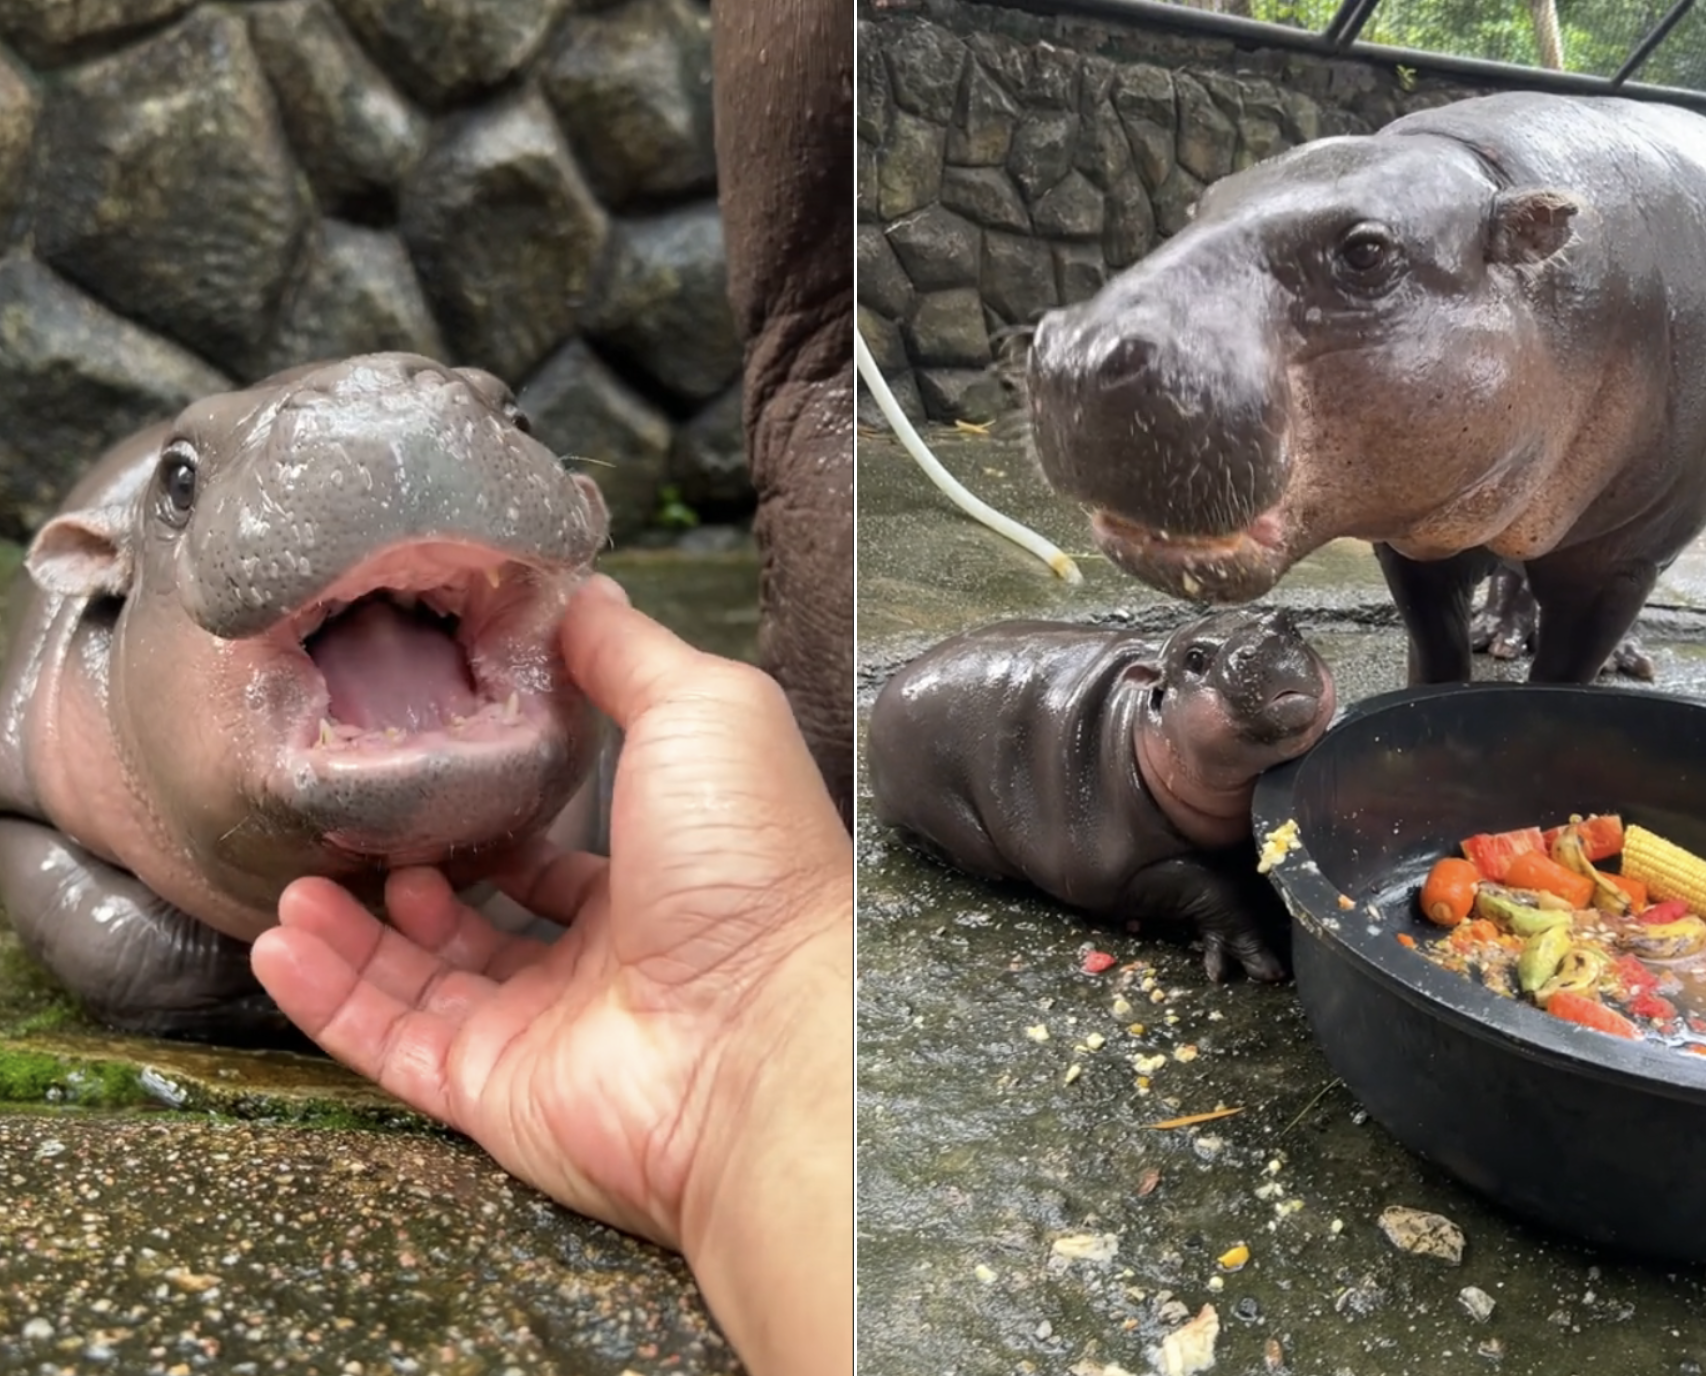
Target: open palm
(604,1068)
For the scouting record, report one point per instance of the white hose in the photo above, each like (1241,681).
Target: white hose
(977,509)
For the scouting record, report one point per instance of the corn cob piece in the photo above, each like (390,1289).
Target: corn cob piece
(1666,869)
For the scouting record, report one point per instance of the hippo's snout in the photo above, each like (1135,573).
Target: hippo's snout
(364,455)
(385,554)
(1163,406)
(1276,686)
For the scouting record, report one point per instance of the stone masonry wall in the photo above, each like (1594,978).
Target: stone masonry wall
(194,195)
(1009,163)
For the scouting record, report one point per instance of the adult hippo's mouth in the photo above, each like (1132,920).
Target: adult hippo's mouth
(431,715)
(1235,567)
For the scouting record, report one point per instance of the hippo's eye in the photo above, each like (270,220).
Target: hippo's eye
(518,418)
(1366,249)
(177,484)
(1196,659)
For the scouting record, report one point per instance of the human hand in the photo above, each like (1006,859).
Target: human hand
(679,1062)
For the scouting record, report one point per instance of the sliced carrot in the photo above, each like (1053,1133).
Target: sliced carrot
(1636,890)
(1405,939)
(1602,836)
(1476,932)
(1449,893)
(1579,1008)
(1532,870)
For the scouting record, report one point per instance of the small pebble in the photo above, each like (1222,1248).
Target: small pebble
(1249,1309)
(1423,1234)
(985,1274)
(1477,1301)
(38,1329)
(1045,1329)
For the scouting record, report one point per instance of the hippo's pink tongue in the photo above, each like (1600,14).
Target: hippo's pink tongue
(386,667)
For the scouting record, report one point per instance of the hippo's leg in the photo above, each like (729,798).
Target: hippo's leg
(1433,599)
(1506,625)
(1228,908)
(133,960)
(783,87)
(1587,606)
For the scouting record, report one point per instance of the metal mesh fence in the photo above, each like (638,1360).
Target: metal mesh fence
(1591,37)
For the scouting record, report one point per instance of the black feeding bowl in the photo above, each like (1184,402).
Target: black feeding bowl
(1592,1135)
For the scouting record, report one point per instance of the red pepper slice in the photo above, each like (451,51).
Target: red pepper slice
(1492,852)
(1635,977)
(1654,1007)
(1668,911)
(1602,836)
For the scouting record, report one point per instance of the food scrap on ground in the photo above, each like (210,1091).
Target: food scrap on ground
(1190,1348)
(1191,1118)
(1095,962)
(1422,1233)
(1539,916)
(1087,1246)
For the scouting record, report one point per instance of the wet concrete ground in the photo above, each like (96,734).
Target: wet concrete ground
(167,1208)
(1019,1210)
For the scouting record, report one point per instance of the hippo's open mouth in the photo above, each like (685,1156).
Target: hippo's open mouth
(432,713)
(1235,567)
(410,644)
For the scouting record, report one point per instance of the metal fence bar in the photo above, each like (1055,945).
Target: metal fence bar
(1255,33)
(1354,24)
(1341,17)
(1644,49)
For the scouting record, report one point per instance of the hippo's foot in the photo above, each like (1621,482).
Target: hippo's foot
(1630,660)
(135,962)
(1237,915)
(1507,624)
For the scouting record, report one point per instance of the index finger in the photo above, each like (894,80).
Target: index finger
(622,659)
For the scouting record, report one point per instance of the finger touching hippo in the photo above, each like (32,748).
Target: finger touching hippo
(1477,337)
(308,627)
(1113,773)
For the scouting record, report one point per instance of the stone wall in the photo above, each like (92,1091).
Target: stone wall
(1009,163)
(198,194)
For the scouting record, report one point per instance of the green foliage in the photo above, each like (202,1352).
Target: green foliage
(672,512)
(1597,35)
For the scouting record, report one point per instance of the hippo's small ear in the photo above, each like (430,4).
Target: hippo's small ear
(83,553)
(1530,226)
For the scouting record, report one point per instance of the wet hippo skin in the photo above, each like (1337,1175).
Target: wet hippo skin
(1110,772)
(305,628)
(1476,338)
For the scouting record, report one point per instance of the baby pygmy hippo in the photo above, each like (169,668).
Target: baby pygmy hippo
(1108,772)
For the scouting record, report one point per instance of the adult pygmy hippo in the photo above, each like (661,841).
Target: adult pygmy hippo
(305,628)
(1112,774)
(1477,335)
